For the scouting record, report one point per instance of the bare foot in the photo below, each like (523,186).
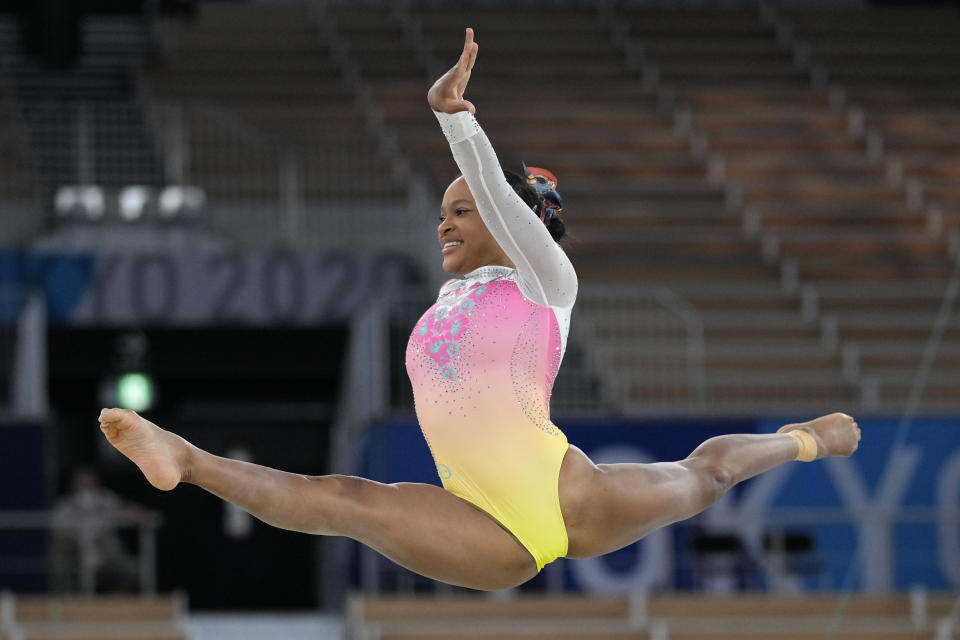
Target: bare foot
(836,434)
(161,455)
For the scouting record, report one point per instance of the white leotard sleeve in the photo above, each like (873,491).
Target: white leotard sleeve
(544,272)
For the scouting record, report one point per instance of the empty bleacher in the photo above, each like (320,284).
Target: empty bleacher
(642,204)
(808,186)
(86,123)
(699,150)
(683,617)
(251,104)
(895,69)
(770,192)
(91,618)
(727,155)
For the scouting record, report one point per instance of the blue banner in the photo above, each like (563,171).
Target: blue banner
(200,287)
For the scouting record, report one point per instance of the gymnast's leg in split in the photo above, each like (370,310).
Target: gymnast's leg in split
(434,533)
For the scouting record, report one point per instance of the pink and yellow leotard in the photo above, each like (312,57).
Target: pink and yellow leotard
(483,359)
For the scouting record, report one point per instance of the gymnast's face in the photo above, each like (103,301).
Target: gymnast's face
(470,244)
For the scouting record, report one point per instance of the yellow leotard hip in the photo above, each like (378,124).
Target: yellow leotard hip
(520,489)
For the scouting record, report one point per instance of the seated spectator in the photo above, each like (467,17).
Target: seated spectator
(86,551)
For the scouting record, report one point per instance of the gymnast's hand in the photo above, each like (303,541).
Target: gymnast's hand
(836,434)
(446,94)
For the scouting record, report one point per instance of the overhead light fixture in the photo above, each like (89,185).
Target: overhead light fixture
(133,202)
(92,201)
(84,200)
(177,200)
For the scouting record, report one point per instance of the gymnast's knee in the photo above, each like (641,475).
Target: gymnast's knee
(715,477)
(332,503)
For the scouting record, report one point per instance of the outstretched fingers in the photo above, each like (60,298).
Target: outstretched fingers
(464,69)
(469,56)
(446,94)
(467,44)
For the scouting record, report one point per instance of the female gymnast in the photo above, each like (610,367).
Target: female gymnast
(482,361)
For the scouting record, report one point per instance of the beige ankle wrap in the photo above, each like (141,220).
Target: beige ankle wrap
(808,446)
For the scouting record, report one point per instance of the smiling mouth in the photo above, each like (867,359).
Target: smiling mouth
(450,246)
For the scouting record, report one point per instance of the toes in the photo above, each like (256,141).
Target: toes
(116,414)
(110,415)
(120,418)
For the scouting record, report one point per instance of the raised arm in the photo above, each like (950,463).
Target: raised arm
(544,271)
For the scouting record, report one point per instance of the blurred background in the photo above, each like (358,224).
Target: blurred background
(223,215)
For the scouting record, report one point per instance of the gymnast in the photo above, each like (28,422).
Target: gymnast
(482,361)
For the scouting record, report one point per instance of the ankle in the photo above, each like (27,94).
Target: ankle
(808,447)
(186,460)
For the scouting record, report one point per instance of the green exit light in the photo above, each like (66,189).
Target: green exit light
(135,391)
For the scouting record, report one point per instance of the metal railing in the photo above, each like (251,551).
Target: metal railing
(146,526)
(333,191)
(659,328)
(90,142)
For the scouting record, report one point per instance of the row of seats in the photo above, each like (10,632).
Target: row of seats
(758,198)
(642,204)
(92,618)
(78,125)
(894,67)
(256,109)
(761,200)
(684,617)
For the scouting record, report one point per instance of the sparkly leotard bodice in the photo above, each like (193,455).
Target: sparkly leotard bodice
(482,361)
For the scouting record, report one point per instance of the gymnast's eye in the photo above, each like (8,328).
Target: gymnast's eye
(459,212)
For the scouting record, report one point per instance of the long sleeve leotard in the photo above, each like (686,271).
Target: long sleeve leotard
(482,361)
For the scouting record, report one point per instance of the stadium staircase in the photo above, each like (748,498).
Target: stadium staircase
(391,51)
(895,75)
(708,152)
(259,108)
(92,618)
(85,123)
(762,200)
(654,227)
(659,617)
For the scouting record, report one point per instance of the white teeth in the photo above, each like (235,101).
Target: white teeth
(451,244)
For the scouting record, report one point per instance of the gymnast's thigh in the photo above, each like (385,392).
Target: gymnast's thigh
(434,533)
(609,506)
